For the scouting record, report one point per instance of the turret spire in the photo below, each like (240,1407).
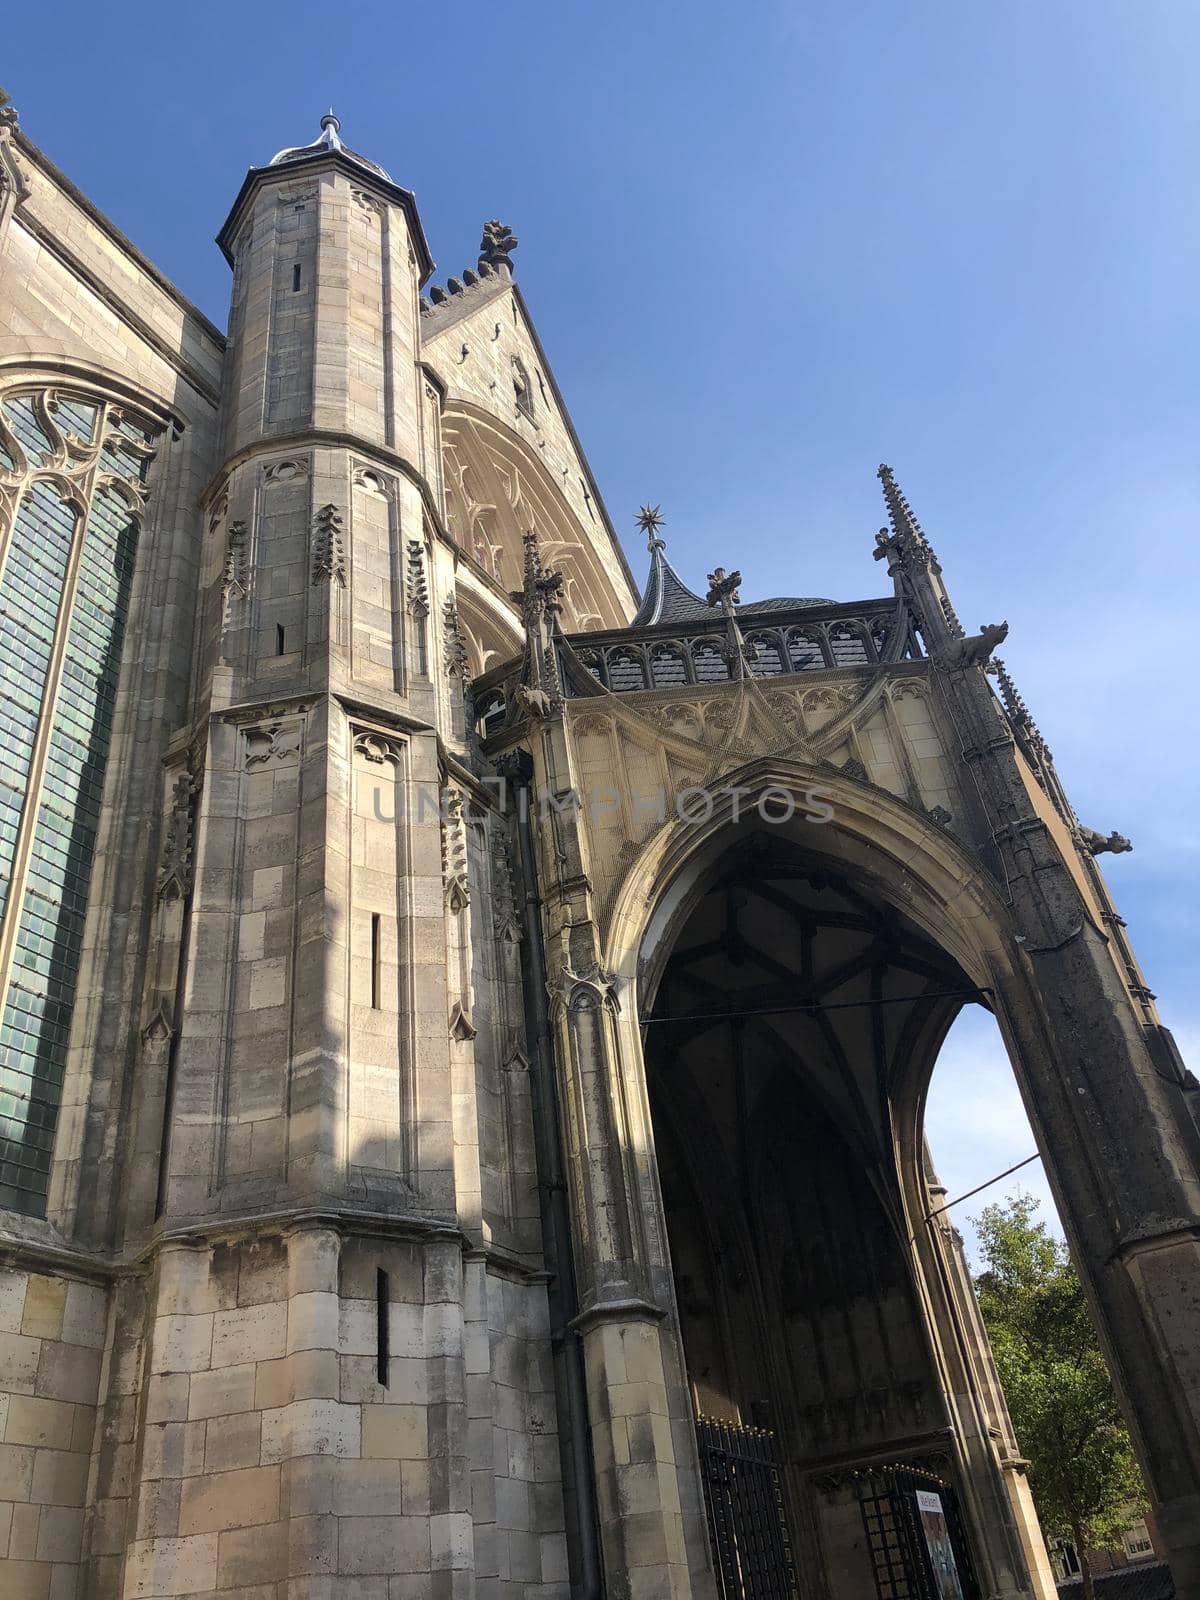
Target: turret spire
(666,596)
(328,141)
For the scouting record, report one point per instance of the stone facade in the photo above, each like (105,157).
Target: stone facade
(359,1245)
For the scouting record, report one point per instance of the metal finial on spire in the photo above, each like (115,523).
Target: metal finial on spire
(650,519)
(329,120)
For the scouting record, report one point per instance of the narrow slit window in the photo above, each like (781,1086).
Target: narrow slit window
(295,277)
(376,985)
(381,1326)
(420,647)
(280,639)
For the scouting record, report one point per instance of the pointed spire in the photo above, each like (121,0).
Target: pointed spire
(906,530)
(666,597)
(911,562)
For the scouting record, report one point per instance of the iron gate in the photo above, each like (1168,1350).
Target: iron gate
(752,1552)
(906,1568)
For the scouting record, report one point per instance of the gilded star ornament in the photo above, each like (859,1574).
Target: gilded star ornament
(650,519)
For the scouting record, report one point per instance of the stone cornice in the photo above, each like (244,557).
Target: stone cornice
(30,1242)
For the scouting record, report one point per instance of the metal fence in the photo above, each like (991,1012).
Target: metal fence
(752,1550)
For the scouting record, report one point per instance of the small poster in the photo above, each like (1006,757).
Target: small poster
(937,1542)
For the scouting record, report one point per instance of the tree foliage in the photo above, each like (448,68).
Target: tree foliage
(1082,1471)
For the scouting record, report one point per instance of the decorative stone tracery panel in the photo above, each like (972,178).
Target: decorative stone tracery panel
(73,487)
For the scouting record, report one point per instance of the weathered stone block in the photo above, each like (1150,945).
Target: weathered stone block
(383,1544)
(60,1533)
(311,1428)
(59,1478)
(183,1343)
(19,1357)
(68,1372)
(40,1422)
(237,1499)
(222,1392)
(251,1333)
(395,1432)
(29,1580)
(45,1302)
(171,1567)
(231,1442)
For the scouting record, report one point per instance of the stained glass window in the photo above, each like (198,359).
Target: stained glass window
(76,470)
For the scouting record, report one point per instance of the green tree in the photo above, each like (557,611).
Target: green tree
(1082,1471)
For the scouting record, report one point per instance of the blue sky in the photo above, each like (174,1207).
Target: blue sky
(768,246)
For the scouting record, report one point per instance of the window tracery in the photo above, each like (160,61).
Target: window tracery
(73,474)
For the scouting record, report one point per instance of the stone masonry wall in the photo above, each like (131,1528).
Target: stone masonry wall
(246,1446)
(52,1336)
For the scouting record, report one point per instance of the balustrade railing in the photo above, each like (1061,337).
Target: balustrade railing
(674,656)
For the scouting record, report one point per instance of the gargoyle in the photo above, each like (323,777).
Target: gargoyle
(537,700)
(1097,843)
(975,650)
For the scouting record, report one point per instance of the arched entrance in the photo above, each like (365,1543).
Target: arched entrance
(784,1015)
(1009,918)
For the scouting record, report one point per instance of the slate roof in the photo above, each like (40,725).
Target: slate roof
(668,598)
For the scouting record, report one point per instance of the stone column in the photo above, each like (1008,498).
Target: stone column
(643,1442)
(1119,1141)
(1003,1518)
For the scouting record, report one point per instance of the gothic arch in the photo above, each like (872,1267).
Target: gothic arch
(924,890)
(497,489)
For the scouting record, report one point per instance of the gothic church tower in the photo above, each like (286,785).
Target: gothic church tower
(325,1366)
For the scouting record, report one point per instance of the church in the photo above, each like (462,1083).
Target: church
(467,1012)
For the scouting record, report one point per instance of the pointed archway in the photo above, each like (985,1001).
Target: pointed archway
(790,1001)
